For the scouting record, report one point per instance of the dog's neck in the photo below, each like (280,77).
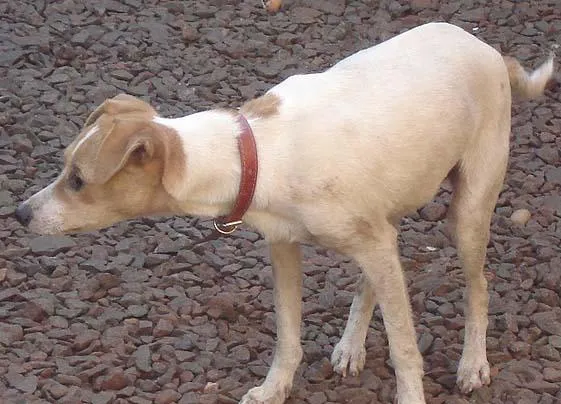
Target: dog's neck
(213,168)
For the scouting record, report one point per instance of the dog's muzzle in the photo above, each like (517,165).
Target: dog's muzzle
(24,214)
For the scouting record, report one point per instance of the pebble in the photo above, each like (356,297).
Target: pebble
(115,380)
(163,328)
(143,359)
(51,245)
(56,390)
(10,333)
(520,216)
(167,397)
(25,384)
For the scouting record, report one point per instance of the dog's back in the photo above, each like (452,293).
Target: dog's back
(401,113)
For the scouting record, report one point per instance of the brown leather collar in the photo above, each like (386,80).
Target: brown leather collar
(248,156)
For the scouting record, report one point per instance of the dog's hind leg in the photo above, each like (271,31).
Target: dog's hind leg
(350,354)
(477,182)
(288,305)
(378,257)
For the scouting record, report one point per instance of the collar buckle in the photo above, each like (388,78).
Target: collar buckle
(226,228)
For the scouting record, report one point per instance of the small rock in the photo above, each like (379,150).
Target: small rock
(520,216)
(304,15)
(163,328)
(10,333)
(241,354)
(167,396)
(419,5)
(84,339)
(552,375)
(108,281)
(69,380)
(549,352)
(184,343)
(189,34)
(115,380)
(25,384)
(105,397)
(425,342)
(142,358)
(555,340)
(318,397)
(433,212)
(553,175)
(80,38)
(51,245)
(56,390)
(211,388)
(10,294)
(94,265)
(548,153)
(14,277)
(33,311)
(547,321)
(137,311)
(145,327)
(320,371)
(222,306)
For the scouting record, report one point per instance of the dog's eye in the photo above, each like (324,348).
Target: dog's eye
(75,182)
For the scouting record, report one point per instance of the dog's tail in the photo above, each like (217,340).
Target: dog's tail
(528,85)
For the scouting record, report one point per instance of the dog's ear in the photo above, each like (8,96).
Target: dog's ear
(125,141)
(139,142)
(120,104)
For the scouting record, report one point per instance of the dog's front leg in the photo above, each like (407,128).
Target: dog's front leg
(379,261)
(288,303)
(350,354)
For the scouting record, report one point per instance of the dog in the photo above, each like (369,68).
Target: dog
(342,156)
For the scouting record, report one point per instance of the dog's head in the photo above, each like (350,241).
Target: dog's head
(122,165)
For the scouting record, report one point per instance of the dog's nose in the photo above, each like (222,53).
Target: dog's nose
(24,214)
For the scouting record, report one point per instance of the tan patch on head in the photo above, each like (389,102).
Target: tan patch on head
(121,106)
(128,163)
(262,107)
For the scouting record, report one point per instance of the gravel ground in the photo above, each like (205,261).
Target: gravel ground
(135,314)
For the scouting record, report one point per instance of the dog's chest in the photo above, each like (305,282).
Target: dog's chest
(278,228)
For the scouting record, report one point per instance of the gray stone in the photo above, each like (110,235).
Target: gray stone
(548,321)
(25,384)
(553,175)
(51,245)
(142,358)
(104,397)
(10,333)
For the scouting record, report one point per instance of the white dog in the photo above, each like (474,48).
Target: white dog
(342,156)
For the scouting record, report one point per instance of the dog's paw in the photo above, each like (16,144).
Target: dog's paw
(265,395)
(348,356)
(473,373)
